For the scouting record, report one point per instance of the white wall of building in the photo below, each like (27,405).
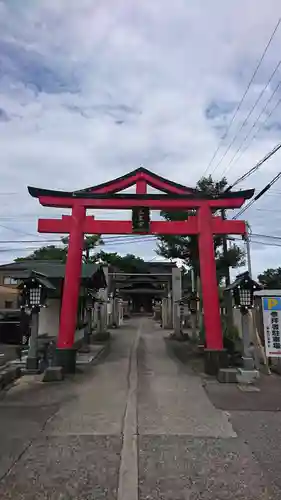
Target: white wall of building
(49,318)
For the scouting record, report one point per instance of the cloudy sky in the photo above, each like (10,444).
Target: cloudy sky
(90,90)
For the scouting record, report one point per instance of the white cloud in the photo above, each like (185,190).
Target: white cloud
(91,90)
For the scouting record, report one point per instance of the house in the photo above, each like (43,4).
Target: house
(54,271)
(9,296)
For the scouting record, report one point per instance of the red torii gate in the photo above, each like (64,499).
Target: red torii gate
(106,196)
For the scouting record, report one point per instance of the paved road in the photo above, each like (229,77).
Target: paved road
(137,425)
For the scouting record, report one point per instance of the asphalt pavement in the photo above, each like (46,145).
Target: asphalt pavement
(136,424)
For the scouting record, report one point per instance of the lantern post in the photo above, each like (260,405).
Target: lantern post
(243,290)
(34,295)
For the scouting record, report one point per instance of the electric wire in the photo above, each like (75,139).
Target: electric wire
(223,137)
(235,158)
(258,196)
(255,167)
(125,241)
(245,121)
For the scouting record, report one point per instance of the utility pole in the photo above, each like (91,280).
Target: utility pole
(248,249)
(228,296)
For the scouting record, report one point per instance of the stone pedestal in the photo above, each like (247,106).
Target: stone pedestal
(32,364)
(227,375)
(247,376)
(214,360)
(66,358)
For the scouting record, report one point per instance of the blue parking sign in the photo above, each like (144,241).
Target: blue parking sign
(271,303)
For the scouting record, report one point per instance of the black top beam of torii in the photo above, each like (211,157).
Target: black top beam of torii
(37,192)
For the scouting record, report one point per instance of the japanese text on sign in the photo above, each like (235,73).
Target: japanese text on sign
(272,322)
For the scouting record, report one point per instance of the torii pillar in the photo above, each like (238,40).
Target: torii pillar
(66,352)
(215,355)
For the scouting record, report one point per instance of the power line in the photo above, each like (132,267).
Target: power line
(259,195)
(252,127)
(16,230)
(268,210)
(266,244)
(245,121)
(266,236)
(255,167)
(10,249)
(243,97)
(126,239)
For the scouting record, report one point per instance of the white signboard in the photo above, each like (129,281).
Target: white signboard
(272,326)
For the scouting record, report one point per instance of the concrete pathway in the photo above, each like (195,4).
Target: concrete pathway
(136,425)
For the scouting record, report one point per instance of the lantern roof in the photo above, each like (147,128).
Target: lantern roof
(39,278)
(242,279)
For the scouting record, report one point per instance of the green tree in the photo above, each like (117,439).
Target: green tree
(90,243)
(49,252)
(271,278)
(128,263)
(186,247)
(59,253)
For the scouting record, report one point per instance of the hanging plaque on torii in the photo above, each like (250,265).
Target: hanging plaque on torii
(141,220)
(174,196)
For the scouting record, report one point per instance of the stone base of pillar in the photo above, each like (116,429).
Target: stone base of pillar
(66,358)
(214,360)
(32,364)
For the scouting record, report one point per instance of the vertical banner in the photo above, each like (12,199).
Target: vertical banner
(272,326)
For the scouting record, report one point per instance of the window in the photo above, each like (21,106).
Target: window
(10,281)
(8,304)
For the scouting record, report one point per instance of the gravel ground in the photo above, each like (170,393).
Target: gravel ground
(69,440)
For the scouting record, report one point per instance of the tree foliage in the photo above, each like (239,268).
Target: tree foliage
(90,243)
(128,263)
(186,247)
(49,252)
(59,253)
(271,278)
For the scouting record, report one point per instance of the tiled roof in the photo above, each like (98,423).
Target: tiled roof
(50,269)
